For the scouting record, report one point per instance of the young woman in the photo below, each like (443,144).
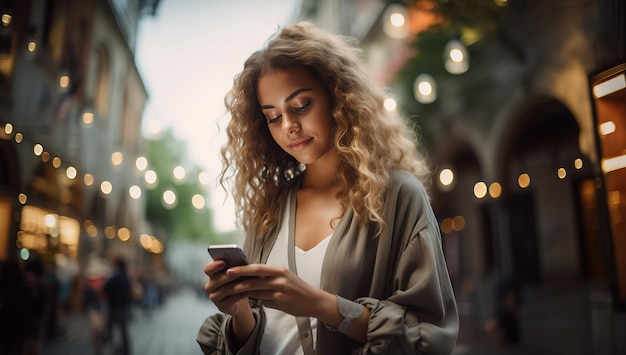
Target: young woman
(345,252)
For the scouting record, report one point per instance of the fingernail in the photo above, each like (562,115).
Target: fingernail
(230,272)
(221,264)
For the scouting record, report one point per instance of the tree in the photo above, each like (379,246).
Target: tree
(476,23)
(180,221)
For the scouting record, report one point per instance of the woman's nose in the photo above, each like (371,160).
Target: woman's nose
(290,124)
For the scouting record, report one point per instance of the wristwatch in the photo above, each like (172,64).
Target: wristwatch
(349,311)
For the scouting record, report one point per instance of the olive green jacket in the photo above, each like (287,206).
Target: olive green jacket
(400,276)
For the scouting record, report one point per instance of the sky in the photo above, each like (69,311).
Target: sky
(187,55)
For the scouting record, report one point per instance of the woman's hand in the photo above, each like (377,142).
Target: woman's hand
(224,298)
(219,289)
(279,288)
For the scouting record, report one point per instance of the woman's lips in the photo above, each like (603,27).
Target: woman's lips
(299,144)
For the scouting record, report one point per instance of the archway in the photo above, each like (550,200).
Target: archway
(548,186)
(464,220)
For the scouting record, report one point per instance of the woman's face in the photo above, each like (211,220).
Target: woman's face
(298,113)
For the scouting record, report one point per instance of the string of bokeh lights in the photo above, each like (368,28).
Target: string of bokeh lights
(106,188)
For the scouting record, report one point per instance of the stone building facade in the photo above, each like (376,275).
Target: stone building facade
(71,106)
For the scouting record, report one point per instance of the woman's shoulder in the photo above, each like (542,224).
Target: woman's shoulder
(407,198)
(407,189)
(406,180)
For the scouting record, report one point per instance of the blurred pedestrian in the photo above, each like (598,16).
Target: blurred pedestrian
(150,295)
(118,294)
(52,327)
(12,307)
(35,300)
(67,270)
(505,323)
(96,273)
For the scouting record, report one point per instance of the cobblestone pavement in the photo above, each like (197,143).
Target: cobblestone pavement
(169,329)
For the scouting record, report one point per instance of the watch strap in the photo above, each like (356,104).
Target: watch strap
(350,311)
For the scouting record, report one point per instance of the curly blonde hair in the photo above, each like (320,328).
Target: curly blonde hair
(369,140)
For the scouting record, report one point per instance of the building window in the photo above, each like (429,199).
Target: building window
(609,95)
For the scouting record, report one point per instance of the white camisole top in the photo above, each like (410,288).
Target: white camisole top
(281,335)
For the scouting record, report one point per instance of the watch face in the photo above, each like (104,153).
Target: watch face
(345,325)
(350,311)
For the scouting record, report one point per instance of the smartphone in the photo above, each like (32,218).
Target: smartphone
(230,253)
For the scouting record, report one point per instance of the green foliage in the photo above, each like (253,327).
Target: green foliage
(479,17)
(183,221)
(428,46)
(468,13)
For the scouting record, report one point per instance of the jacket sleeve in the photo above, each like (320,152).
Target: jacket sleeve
(213,336)
(420,316)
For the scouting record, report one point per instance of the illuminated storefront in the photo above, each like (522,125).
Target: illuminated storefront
(46,232)
(609,94)
(71,107)
(5,224)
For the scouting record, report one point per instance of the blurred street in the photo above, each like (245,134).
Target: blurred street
(168,329)
(554,320)
(547,327)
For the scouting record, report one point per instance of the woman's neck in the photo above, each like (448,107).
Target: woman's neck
(322,175)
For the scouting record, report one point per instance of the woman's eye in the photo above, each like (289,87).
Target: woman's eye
(302,108)
(274,120)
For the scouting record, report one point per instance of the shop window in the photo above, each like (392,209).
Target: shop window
(609,97)
(46,232)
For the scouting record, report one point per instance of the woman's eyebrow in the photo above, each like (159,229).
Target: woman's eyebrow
(290,97)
